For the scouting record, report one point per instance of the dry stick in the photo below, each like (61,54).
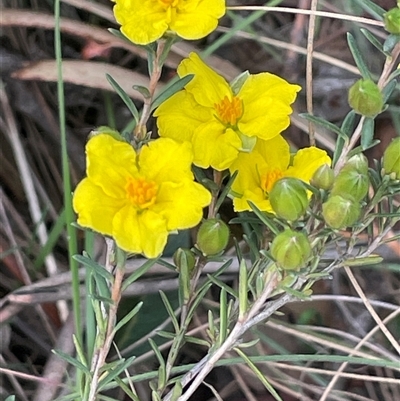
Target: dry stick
(342,17)
(309,77)
(371,310)
(359,345)
(14,382)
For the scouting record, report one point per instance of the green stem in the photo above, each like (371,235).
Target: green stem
(69,214)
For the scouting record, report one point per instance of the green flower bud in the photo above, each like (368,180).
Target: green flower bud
(392,21)
(350,183)
(184,257)
(291,250)
(323,178)
(357,162)
(391,159)
(212,237)
(289,198)
(366,98)
(340,212)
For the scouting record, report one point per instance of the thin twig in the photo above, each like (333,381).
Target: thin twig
(309,72)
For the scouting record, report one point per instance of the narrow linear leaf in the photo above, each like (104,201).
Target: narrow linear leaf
(358,57)
(124,96)
(243,289)
(388,89)
(126,389)
(128,316)
(223,316)
(170,311)
(72,361)
(372,8)
(222,285)
(138,273)
(323,123)
(373,40)
(225,191)
(367,134)
(172,88)
(113,373)
(264,219)
(91,264)
(259,374)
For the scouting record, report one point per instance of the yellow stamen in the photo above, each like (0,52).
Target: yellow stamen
(140,192)
(168,3)
(229,111)
(269,179)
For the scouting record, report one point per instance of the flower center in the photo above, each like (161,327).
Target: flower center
(229,111)
(168,3)
(140,192)
(269,179)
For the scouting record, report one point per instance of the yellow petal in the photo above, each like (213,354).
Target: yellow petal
(180,115)
(306,162)
(109,163)
(166,160)
(144,232)
(267,99)
(214,146)
(249,167)
(195,23)
(142,21)
(94,207)
(276,152)
(257,197)
(207,87)
(182,204)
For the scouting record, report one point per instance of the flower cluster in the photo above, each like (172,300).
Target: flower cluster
(145,21)
(138,199)
(220,122)
(270,161)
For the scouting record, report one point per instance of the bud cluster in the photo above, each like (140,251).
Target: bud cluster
(342,208)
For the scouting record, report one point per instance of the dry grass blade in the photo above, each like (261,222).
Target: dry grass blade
(85,73)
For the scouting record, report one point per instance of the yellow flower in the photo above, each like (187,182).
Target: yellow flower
(145,21)
(139,198)
(269,161)
(220,122)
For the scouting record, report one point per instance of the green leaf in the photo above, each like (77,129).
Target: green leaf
(72,361)
(372,8)
(259,374)
(170,90)
(126,389)
(223,316)
(348,123)
(128,316)
(170,311)
(388,89)
(142,90)
(10,398)
(91,264)
(138,273)
(223,285)
(367,134)
(243,289)
(264,218)
(115,372)
(323,123)
(225,191)
(390,42)
(358,57)
(374,41)
(124,96)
